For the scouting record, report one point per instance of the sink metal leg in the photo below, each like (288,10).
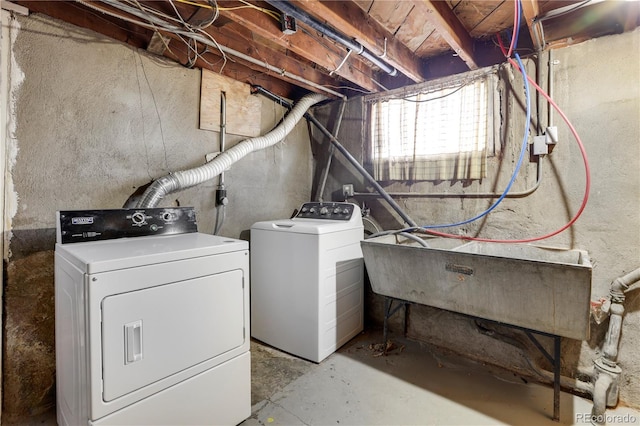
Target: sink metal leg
(385,328)
(556,378)
(389,310)
(555,362)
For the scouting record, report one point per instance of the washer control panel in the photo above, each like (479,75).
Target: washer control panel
(330,211)
(74,226)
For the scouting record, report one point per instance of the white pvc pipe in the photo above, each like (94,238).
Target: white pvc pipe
(187,178)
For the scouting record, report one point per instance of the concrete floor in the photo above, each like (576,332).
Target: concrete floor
(412,385)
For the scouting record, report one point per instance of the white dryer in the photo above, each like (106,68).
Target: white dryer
(152,328)
(307,280)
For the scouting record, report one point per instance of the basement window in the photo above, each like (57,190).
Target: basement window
(441,130)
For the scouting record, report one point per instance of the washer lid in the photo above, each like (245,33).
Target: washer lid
(102,256)
(307,226)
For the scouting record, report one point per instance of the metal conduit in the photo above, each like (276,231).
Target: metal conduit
(350,43)
(345,152)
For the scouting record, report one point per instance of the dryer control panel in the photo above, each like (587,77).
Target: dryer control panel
(330,211)
(74,226)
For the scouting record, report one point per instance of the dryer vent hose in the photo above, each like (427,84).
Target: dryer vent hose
(184,179)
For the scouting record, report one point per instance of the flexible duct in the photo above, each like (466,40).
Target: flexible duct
(187,178)
(346,154)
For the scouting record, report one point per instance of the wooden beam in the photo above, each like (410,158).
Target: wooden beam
(235,70)
(450,28)
(316,49)
(351,20)
(530,10)
(234,36)
(76,14)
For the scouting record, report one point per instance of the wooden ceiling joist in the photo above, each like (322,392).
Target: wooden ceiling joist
(352,21)
(530,10)
(235,70)
(451,29)
(325,55)
(232,35)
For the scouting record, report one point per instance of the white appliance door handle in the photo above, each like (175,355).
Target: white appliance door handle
(282,225)
(133,342)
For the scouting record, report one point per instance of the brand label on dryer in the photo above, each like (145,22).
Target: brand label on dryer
(82,220)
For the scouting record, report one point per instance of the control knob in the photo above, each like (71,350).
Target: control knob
(324,210)
(138,218)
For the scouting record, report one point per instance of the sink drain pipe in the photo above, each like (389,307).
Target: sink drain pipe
(606,369)
(181,180)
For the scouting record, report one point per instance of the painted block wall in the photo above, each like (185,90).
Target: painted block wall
(93,121)
(596,84)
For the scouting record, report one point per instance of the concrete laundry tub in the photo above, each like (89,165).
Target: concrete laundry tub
(539,288)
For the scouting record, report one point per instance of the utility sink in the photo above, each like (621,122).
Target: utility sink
(539,288)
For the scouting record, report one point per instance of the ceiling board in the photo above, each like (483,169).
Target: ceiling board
(471,13)
(433,45)
(501,17)
(347,18)
(390,14)
(364,4)
(451,29)
(415,30)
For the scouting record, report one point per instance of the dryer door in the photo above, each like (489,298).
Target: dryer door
(152,333)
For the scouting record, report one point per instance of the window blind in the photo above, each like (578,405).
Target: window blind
(437,134)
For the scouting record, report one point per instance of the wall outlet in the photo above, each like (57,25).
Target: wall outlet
(347,190)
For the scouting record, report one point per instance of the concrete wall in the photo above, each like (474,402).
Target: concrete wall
(596,84)
(94,121)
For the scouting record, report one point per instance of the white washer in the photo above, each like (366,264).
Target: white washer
(307,280)
(150,330)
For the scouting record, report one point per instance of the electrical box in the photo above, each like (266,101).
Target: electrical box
(288,24)
(541,143)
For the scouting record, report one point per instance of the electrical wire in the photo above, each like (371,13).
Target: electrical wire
(575,134)
(524,145)
(561,11)
(587,171)
(247,5)
(516,24)
(204,24)
(523,150)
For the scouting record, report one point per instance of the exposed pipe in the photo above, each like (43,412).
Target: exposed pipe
(332,149)
(607,370)
(550,86)
(622,284)
(346,154)
(415,238)
(349,43)
(601,387)
(187,178)
(518,194)
(566,382)
(564,10)
(157,23)
(221,192)
(223,128)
